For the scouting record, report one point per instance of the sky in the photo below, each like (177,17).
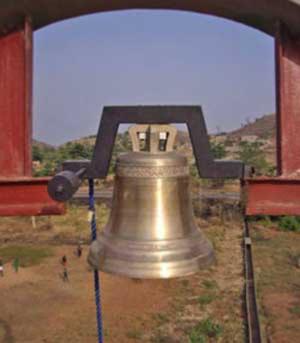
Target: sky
(149,58)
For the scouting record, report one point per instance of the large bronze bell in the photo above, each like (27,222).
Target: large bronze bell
(151,232)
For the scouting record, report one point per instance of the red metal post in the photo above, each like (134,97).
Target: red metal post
(20,194)
(281,195)
(15,102)
(288,101)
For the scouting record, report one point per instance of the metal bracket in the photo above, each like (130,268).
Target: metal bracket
(113,116)
(152,136)
(192,116)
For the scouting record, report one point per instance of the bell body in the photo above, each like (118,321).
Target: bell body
(151,232)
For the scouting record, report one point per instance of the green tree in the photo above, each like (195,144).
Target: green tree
(74,151)
(47,170)
(122,144)
(251,154)
(37,153)
(289,223)
(218,150)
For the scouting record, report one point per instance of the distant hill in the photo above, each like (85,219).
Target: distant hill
(261,130)
(42,145)
(182,138)
(264,127)
(88,140)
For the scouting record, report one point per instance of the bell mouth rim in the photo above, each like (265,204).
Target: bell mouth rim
(153,269)
(140,272)
(136,259)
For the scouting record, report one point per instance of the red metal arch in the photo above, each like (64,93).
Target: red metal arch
(20,194)
(260,14)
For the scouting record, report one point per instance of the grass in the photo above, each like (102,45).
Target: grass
(134,334)
(27,255)
(205,299)
(73,225)
(275,259)
(295,310)
(160,337)
(77,218)
(276,270)
(216,235)
(266,222)
(282,223)
(161,318)
(204,330)
(210,284)
(289,223)
(185,283)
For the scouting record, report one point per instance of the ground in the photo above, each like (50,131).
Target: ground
(276,256)
(37,306)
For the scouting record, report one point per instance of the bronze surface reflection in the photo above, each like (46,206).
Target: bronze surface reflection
(151,232)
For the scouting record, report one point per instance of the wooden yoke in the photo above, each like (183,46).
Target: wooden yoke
(20,194)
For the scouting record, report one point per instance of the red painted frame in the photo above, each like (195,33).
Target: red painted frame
(20,194)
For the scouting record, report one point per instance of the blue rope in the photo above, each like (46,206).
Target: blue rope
(96,274)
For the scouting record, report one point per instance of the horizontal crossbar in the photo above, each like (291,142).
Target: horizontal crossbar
(27,197)
(272,196)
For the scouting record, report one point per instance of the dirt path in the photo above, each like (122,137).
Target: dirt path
(40,307)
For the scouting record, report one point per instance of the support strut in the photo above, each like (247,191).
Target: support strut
(288,106)
(15,102)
